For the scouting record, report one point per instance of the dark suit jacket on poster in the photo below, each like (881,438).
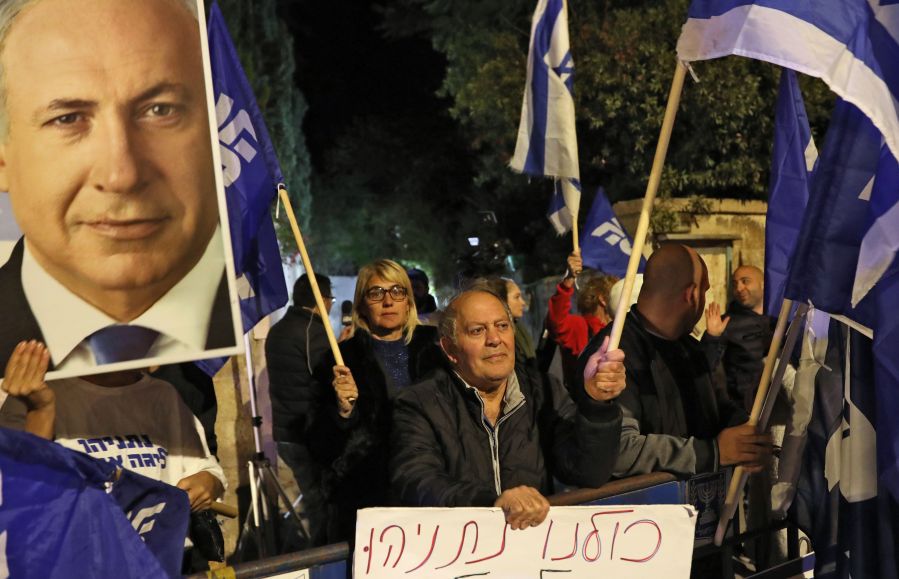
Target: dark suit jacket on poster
(19,323)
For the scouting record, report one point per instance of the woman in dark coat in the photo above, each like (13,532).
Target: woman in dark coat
(389,350)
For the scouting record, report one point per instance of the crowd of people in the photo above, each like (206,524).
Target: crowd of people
(122,259)
(412,416)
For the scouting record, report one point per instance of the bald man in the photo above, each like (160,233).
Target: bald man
(742,337)
(674,419)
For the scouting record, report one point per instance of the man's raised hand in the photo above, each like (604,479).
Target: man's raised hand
(24,377)
(604,374)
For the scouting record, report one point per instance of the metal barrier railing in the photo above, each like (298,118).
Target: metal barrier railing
(306,559)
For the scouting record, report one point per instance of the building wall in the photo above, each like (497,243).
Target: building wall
(730,235)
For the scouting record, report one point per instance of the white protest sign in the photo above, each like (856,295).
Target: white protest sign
(572,543)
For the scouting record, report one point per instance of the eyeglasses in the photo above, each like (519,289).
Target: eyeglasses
(376,294)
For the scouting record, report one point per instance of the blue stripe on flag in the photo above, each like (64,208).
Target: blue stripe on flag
(543,34)
(851,44)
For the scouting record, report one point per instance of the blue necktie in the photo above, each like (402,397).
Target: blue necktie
(121,343)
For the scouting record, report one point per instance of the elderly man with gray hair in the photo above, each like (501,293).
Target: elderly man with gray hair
(490,433)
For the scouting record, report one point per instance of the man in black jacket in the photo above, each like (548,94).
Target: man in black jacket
(675,419)
(490,433)
(296,352)
(744,337)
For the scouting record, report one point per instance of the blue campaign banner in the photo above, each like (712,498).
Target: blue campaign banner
(605,245)
(58,520)
(252,176)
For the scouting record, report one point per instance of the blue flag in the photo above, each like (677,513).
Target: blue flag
(851,519)
(881,239)
(251,174)
(794,158)
(605,245)
(58,520)
(835,221)
(852,45)
(547,138)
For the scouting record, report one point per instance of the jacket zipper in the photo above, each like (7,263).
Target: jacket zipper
(494,441)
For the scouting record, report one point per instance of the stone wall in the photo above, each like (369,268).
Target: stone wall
(731,234)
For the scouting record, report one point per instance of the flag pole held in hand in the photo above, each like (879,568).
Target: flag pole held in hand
(319,301)
(655,176)
(738,480)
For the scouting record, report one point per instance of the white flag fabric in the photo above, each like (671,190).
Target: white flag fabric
(852,45)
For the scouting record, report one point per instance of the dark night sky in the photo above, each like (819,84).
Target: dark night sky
(346,69)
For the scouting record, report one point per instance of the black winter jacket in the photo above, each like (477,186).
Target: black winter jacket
(444,455)
(297,354)
(742,347)
(356,448)
(672,410)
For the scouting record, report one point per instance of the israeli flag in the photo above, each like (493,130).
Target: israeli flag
(794,158)
(565,192)
(840,502)
(839,217)
(881,241)
(547,140)
(605,245)
(852,45)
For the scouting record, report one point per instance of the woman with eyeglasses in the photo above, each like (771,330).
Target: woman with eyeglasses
(389,350)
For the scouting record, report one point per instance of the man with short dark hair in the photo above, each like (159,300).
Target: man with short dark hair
(106,155)
(675,419)
(488,433)
(296,352)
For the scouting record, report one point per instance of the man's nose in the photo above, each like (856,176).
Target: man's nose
(493,338)
(117,167)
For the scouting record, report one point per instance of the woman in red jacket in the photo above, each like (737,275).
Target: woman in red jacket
(570,331)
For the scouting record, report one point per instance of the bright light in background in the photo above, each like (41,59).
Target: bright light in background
(473,241)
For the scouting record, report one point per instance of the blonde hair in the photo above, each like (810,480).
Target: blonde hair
(393,272)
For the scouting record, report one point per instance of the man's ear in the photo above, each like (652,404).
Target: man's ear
(690,295)
(449,348)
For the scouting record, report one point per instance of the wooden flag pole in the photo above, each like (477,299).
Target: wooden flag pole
(655,177)
(288,209)
(738,480)
(574,234)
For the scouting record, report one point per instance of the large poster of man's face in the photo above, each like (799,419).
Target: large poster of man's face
(107,158)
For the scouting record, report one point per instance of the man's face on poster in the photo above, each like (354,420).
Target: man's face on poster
(107,157)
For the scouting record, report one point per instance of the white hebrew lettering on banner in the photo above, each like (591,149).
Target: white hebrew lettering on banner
(230,138)
(616,235)
(625,542)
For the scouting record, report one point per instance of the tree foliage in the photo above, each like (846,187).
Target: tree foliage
(393,187)
(624,62)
